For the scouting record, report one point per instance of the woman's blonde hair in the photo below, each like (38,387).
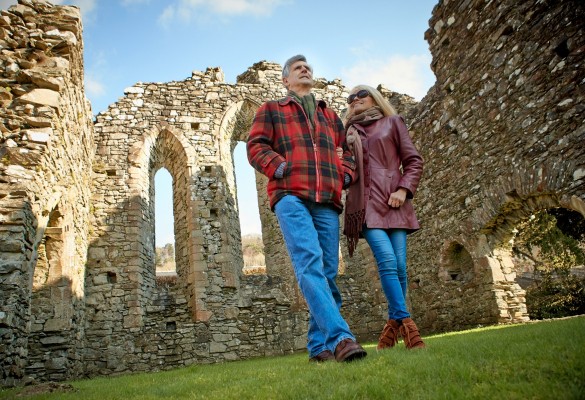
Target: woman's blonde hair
(379,100)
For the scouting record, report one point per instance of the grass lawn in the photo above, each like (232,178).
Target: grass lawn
(536,360)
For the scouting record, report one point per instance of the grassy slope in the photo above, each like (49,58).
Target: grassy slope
(541,360)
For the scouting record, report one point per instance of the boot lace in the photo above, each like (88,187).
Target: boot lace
(411,335)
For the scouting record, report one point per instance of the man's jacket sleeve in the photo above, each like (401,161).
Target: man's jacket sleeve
(347,160)
(261,154)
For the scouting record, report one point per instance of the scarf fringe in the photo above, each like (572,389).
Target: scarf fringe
(352,227)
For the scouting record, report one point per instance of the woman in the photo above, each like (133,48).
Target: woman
(378,203)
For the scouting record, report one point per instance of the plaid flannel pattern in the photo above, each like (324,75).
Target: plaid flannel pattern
(281,132)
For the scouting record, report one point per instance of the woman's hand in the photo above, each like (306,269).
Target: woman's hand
(397,198)
(339,152)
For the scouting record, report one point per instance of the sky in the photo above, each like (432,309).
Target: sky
(360,42)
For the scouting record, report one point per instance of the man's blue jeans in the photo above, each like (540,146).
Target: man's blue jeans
(389,248)
(311,234)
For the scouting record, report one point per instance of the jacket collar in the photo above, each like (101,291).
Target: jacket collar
(288,99)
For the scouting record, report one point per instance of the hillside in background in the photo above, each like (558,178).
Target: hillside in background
(252,249)
(165,258)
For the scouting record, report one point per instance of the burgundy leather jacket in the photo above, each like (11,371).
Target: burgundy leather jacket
(387,146)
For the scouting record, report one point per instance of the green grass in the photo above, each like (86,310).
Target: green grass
(540,360)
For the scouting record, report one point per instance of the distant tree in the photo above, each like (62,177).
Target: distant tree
(165,257)
(253,250)
(169,249)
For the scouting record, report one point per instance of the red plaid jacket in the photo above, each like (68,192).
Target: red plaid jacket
(281,133)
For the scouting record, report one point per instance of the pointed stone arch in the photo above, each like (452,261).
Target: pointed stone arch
(235,126)
(235,123)
(167,147)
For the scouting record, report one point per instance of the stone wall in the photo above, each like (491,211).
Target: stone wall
(501,133)
(211,310)
(47,147)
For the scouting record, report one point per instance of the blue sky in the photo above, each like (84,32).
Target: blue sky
(130,41)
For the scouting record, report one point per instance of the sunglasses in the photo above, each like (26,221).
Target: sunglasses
(362,94)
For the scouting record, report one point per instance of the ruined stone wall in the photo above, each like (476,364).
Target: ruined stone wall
(46,148)
(502,135)
(211,311)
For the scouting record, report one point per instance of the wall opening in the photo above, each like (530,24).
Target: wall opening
(457,264)
(164,224)
(51,301)
(549,255)
(250,226)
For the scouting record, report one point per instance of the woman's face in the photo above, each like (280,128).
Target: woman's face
(359,101)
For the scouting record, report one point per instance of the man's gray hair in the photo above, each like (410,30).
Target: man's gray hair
(291,61)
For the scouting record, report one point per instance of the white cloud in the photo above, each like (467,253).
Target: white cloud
(93,87)
(403,74)
(169,14)
(261,8)
(85,6)
(130,2)
(184,10)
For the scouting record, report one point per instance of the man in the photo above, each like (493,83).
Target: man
(293,142)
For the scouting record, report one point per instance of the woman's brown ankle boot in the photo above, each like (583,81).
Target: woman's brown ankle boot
(389,336)
(410,333)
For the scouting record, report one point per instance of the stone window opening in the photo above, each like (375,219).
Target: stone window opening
(456,264)
(562,49)
(53,261)
(171,326)
(112,277)
(52,297)
(254,221)
(164,225)
(248,209)
(167,153)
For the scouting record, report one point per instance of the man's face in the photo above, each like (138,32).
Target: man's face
(300,77)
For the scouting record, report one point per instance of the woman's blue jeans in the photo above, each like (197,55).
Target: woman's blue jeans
(311,234)
(389,248)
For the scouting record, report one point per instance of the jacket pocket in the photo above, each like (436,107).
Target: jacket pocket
(380,188)
(390,184)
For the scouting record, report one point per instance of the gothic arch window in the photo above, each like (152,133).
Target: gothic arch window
(169,160)
(164,225)
(246,187)
(168,149)
(250,226)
